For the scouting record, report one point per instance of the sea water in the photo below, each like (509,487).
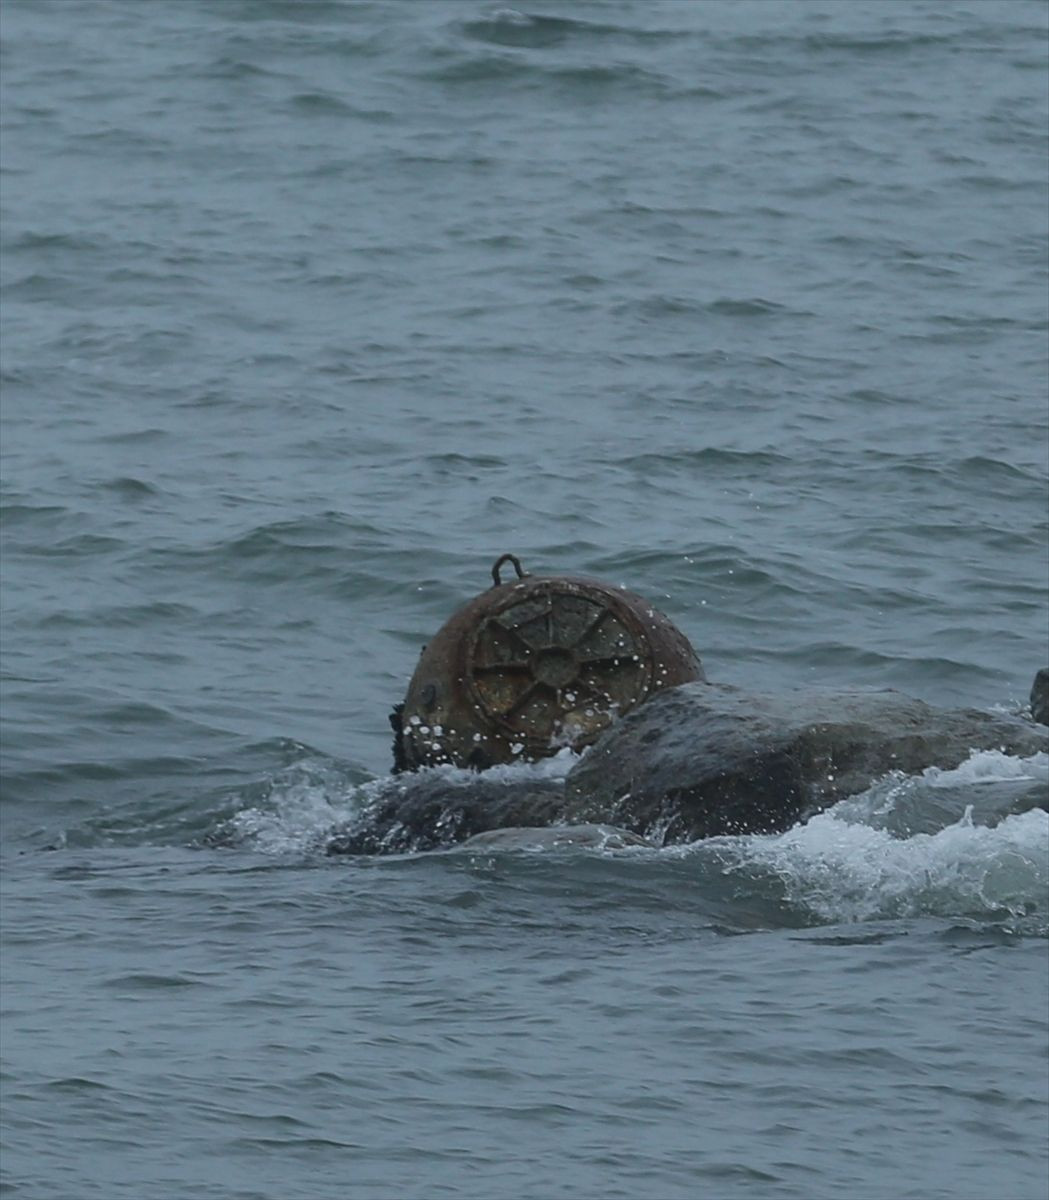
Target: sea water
(311,309)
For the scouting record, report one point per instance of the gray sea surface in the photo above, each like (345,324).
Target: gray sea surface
(311,309)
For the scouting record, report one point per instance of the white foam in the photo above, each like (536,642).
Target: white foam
(990,766)
(843,869)
(555,767)
(510,16)
(841,866)
(301,814)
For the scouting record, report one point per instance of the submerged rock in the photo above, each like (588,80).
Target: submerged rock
(707,759)
(554,837)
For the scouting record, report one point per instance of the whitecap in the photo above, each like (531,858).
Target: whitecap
(846,865)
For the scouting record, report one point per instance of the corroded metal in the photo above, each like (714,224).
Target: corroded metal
(533,665)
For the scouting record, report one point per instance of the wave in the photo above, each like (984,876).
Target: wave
(848,864)
(304,812)
(969,843)
(537,31)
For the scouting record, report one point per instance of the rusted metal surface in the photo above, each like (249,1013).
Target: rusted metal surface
(533,665)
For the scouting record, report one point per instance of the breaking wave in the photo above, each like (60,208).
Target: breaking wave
(839,871)
(302,814)
(972,842)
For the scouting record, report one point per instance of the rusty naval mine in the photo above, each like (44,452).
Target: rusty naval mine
(533,665)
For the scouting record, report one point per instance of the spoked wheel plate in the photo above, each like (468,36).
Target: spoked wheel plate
(552,666)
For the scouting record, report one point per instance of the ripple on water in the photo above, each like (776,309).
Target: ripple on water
(312,310)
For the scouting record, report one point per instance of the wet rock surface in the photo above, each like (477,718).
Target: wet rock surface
(435,808)
(1040,697)
(708,759)
(695,761)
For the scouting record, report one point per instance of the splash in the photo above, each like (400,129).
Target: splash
(297,820)
(991,766)
(932,844)
(304,807)
(847,864)
(556,766)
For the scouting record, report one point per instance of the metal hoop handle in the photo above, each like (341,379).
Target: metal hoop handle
(506,558)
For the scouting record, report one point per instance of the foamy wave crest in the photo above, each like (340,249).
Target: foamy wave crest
(989,784)
(305,807)
(297,820)
(991,766)
(841,867)
(556,766)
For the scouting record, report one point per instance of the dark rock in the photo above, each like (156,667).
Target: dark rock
(1040,697)
(694,761)
(705,759)
(433,808)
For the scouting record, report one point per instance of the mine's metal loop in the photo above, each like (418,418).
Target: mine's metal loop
(506,558)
